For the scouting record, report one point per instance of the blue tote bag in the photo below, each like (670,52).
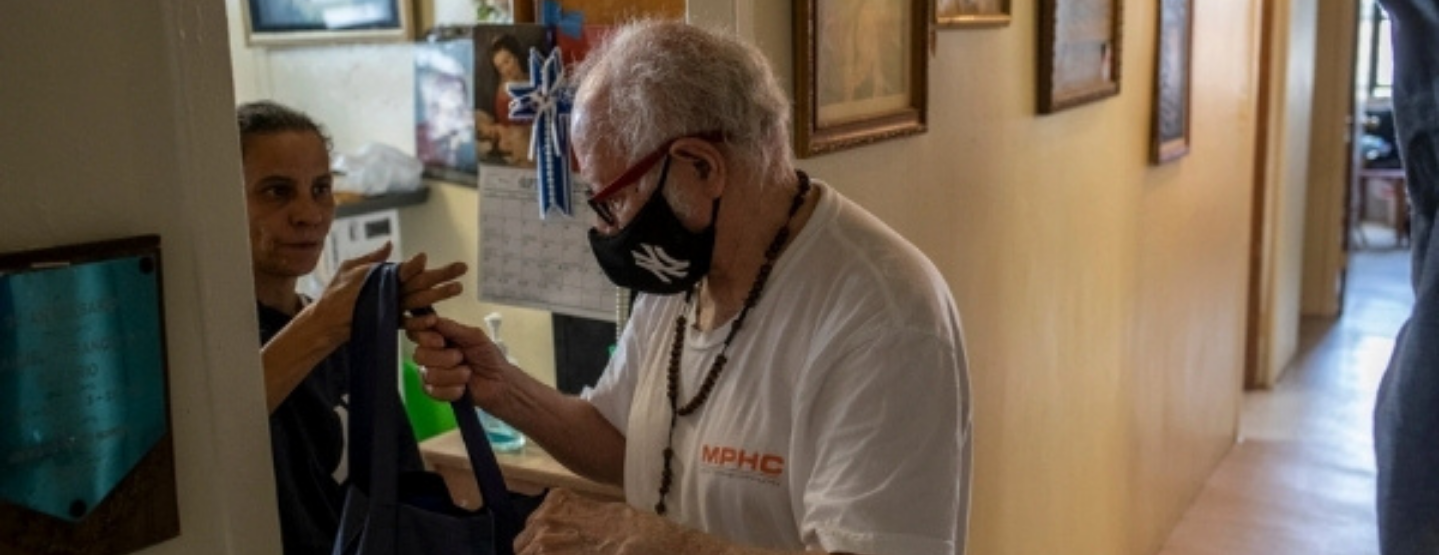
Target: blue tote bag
(389,512)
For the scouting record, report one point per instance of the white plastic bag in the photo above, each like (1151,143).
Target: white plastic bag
(377,169)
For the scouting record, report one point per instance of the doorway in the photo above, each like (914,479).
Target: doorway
(1322,104)
(1378,209)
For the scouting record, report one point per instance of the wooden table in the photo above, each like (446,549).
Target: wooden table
(529,471)
(1400,208)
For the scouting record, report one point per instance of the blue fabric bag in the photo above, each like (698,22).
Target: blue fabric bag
(388,512)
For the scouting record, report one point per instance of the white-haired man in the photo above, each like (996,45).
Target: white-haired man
(793,376)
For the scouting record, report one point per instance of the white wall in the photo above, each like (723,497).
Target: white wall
(117,119)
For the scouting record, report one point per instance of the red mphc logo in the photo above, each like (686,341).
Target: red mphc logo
(730,458)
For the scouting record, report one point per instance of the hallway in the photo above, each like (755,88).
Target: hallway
(1301,478)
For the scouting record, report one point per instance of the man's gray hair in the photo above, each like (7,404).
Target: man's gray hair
(659,80)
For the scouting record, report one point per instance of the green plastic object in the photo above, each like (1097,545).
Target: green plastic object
(428,417)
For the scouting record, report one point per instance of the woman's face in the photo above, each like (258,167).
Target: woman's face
(508,66)
(289,202)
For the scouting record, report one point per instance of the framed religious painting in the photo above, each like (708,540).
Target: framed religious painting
(299,22)
(957,14)
(860,72)
(1170,134)
(1079,52)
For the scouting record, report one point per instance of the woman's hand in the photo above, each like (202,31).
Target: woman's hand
(332,313)
(421,287)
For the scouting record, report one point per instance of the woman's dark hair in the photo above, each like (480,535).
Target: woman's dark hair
(264,117)
(508,43)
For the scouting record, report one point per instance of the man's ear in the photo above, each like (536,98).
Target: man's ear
(703,168)
(701,157)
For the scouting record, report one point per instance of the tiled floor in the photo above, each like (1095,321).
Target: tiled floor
(1301,479)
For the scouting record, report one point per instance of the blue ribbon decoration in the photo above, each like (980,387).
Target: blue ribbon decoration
(571,24)
(547,100)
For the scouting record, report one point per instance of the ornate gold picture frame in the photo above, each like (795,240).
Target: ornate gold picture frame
(860,72)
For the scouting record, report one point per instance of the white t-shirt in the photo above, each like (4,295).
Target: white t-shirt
(842,419)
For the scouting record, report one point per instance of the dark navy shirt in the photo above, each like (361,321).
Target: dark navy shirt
(307,442)
(1406,417)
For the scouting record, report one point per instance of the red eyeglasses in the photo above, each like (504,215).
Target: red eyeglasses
(600,200)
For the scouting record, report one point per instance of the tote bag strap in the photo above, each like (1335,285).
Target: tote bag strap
(374,404)
(373,460)
(484,465)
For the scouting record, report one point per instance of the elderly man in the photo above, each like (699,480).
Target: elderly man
(1406,418)
(793,376)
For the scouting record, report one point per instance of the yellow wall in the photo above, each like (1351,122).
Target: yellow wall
(1103,299)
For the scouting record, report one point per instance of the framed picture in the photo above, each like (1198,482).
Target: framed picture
(1079,52)
(445,95)
(954,14)
(860,72)
(294,22)
(502,56)
(1170,136)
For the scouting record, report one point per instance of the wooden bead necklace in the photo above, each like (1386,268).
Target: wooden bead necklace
(677,347)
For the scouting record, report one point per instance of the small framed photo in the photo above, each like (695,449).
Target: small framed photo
(1079,52)
(957,14)
(298,22)
(1170,135)
(860,72)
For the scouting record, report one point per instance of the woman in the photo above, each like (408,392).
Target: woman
(290,206)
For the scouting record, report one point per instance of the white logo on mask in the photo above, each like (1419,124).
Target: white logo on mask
(658,262)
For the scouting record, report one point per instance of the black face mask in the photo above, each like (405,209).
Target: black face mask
(655,253)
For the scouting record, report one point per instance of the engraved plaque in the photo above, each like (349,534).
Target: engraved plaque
(86,464)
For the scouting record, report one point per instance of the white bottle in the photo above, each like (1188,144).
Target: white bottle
(503,437)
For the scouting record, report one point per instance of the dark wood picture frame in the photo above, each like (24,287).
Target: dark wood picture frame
(964,14)
(840,105)
(1170,133)
(1080,52)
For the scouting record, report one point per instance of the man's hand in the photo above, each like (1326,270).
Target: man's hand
(452,355)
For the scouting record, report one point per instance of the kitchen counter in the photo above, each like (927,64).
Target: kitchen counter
(528,471)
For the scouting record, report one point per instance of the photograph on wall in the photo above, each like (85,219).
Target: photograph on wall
(1170,139)
(1079,52)
(861,72)
(862,60)
(444,104)
(502,56)
(971,13)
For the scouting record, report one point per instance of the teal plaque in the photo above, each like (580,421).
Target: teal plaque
(82,377)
